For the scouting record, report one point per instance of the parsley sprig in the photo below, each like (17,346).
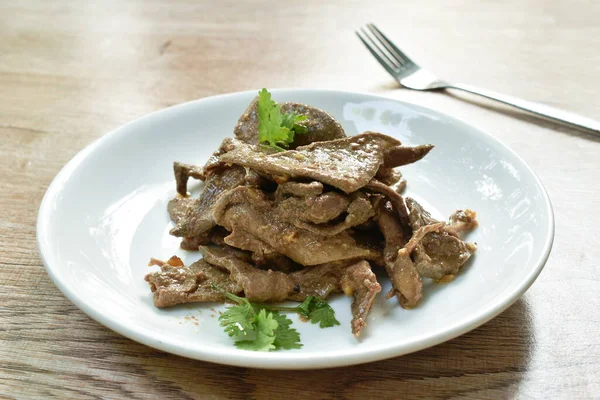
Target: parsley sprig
(275,129)
(261,327)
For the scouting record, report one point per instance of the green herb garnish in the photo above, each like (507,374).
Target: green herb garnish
(261,327)
(275,129)
(317,310)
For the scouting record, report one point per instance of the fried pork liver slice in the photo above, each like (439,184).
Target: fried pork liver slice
(347,164)
(193,217)
(358,280)
(250,210)
(327,214)
(258,285)
(440,253)
(183,172)
(178,284)
(406,282)
(403,155)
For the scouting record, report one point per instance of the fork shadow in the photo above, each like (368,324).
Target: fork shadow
(491,357)
(506,110)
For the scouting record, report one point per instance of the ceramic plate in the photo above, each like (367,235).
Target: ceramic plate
(105,215)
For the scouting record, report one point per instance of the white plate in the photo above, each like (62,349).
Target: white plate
(105,215)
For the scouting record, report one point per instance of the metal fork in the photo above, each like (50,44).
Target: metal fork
(410,75)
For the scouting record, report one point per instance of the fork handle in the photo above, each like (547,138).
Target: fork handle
(566,117)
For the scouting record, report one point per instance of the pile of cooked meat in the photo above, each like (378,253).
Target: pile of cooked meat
(310,221)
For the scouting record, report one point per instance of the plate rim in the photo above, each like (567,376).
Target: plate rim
(293,361)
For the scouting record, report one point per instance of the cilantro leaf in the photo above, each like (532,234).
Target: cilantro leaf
(265,326)
(321,313)
(238,320)
(290,121)
(304,307)
(300,128)
(269,122)
(313,308)
(318,311)
(285,337)
(260,327)
(275,129)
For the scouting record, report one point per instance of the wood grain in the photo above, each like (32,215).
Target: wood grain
(71,71)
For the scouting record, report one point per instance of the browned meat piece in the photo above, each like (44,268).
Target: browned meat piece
(406,282)
(440,255)
(299,189)
(258,285)
(192,243)
(403,155)
(177,284)
(240,239)
(393,196)
(250,210)
(316,209)
(320,280)
(399,186)
(388,176)
(461,221)
(420,233)
(254,179)
(246,128)
(353,278)
(347,164)
(321,126)
(213,162)
(432,251)
(392,178)
(418,216)
(178,207)
(437,251)
(263,255)
(359,211)
(276,262)
(183,172)
(359,281)
(214,236)
(270,286)
(193,217)
(317,212)
(403,273)
(394,235)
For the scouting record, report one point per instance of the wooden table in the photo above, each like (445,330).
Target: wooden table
(71,71)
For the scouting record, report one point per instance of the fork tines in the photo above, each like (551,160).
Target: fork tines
(383,49)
